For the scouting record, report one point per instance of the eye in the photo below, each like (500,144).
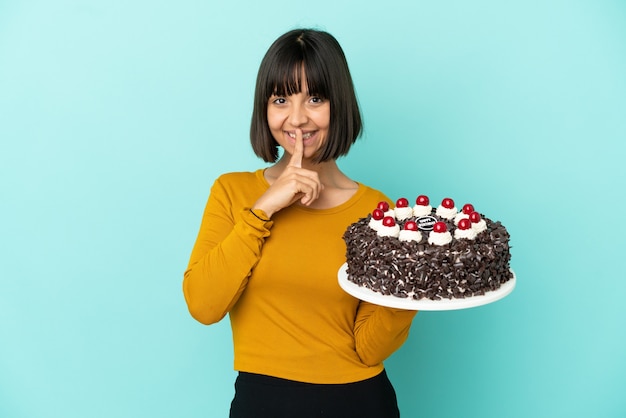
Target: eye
(277,100)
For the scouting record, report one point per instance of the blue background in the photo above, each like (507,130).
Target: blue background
(116,117)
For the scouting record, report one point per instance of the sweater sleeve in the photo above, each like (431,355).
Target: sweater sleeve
(227,248)
(380,331)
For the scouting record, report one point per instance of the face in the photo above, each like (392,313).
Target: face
(311,114)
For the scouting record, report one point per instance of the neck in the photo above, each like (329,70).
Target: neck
(329,173)
(327,170)
(338,188)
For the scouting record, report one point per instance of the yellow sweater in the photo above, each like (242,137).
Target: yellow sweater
(277,281)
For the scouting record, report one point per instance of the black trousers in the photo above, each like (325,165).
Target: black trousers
(260,396)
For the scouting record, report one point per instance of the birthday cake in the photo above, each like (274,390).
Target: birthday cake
(424,252)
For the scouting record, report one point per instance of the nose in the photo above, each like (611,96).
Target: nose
(298,115)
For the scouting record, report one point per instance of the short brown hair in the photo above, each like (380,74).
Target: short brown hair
(327,76)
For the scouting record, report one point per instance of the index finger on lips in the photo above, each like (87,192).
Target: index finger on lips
(298,151)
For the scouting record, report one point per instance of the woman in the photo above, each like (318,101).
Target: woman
(270,246)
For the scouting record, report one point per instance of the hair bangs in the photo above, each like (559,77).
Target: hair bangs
(287,78)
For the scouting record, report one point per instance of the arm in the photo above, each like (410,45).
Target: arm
(380,331)
(227,249)
(231,237)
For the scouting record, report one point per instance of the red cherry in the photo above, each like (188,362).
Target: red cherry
(468,208)
(447,203)
(465,224)
(422,200)
(474,217)
(410,226)
(440,227)
(378,214)
(384,206)
(389,221)
(402,203)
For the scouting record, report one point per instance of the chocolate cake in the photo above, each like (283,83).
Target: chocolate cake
(423,252)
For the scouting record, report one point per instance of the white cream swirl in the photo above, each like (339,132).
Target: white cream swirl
(439,238)
(409,235)
(376,225)
(464,233)
(389,231)
(479,226)
(403,213)
(460,216)
(420,210)
(446,213)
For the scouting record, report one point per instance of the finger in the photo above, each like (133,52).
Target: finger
(309,190)
(298,151)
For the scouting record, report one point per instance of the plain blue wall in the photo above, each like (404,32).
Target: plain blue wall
(116,117)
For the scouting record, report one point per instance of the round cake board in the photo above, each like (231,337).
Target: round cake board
(408,303)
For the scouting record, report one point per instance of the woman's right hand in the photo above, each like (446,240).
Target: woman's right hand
(293,184)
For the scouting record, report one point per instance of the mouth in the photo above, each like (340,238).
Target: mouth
(305,135)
